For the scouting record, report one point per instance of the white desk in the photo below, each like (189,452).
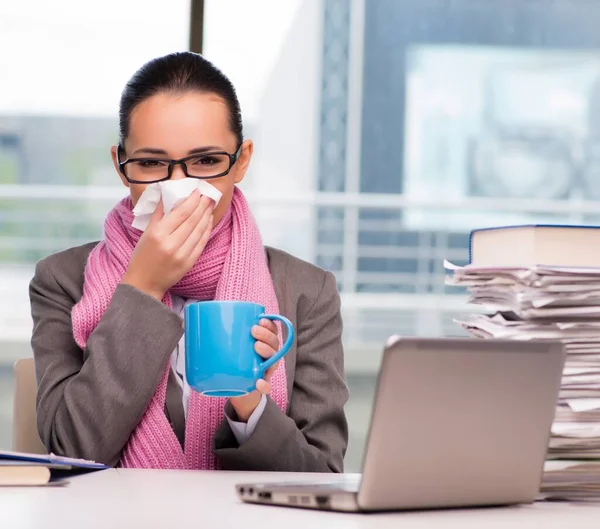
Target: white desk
(206,500)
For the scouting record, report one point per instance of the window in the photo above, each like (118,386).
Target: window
(384,132)
(59,92)
(404,125)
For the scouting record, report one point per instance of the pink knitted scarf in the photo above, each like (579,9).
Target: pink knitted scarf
(233,266)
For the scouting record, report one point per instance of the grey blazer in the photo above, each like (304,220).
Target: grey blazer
(89,401)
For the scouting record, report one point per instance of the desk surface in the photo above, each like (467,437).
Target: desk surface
(150,498)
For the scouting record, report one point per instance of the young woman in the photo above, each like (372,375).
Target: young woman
(107,337)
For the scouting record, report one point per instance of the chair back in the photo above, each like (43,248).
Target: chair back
(25,434)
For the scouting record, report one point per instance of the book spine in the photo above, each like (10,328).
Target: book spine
(471,246)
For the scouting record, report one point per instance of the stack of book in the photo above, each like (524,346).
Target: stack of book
(23,469)
(543,283)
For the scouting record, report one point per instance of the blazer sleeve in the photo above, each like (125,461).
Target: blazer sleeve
(89,401)
(314,435)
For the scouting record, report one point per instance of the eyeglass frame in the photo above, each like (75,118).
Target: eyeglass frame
(172,163)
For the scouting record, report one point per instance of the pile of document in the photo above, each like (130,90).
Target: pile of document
(571,480)
(548,303)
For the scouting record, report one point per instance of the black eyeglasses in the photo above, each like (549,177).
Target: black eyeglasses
(204,166)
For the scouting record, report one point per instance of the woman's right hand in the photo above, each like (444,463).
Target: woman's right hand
(170,246)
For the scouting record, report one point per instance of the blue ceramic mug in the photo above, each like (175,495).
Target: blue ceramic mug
(220,360)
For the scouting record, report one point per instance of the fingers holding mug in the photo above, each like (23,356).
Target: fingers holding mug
(267,340)
(263,386)
(267,344)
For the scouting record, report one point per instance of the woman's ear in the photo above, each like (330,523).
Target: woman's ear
(113,153)
(241,166)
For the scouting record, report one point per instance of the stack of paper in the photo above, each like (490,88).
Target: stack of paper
(571,480)
(547,303)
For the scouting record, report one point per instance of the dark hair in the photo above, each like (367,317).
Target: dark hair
(178,72)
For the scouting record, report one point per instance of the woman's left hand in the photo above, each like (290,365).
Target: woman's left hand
(267,344)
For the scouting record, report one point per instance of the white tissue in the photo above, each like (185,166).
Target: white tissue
(172,192)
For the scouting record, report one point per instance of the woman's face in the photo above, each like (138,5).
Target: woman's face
(170,125)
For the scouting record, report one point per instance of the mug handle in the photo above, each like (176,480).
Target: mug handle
(286,346)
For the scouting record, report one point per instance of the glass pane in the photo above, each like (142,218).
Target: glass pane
(63,68)
(385,131)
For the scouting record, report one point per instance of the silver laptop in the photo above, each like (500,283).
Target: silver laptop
(457,422)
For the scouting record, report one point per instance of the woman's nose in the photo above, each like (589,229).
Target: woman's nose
(177,173)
